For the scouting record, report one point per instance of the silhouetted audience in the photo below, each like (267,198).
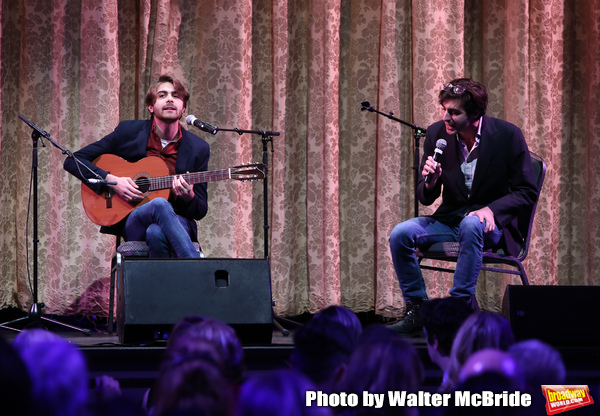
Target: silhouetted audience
(58,371)
(442,318)
(490,370)
(217,333)
(201,372)
(278,393)
(490,360)
(193,385)
(342,315)
(541,364)
(324,344)
(15,384)
(480,330)
(382,362)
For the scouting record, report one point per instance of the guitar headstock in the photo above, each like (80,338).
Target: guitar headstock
(249,172)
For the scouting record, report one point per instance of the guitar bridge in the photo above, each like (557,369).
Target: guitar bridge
(108,197)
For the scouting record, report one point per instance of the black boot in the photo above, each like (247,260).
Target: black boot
(410,323)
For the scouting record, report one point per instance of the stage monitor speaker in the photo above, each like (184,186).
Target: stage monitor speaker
(562,316)
(155,294)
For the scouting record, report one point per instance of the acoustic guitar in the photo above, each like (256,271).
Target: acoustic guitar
(152,176)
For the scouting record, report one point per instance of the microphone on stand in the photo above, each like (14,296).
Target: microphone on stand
(440,145)
(365,105)
(193,121)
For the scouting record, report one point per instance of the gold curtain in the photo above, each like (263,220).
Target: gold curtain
(339,178)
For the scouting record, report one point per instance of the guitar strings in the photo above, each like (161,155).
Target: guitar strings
(163,182)
(149,183)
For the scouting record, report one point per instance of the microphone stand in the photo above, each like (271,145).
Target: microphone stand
(36,311)
(267,136)
(418,134)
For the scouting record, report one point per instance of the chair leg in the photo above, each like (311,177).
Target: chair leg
(523,274)
(114,286)
(111,296)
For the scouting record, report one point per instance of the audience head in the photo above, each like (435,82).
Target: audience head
(193,332)
(275,393)
(15,384)
(28,337)
(479,331)
(442,318)
(202,366)
(193,385)
(58,372)
(322,348)
(342,315)
(493,371)
(489,360)
(540,363)
(382,361)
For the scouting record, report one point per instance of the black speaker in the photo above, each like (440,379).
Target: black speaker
(562,316)
(155,294)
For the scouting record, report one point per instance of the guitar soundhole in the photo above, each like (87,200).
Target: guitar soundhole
(143,183)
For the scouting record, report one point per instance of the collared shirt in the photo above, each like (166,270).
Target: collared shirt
(166,150)
(469,158)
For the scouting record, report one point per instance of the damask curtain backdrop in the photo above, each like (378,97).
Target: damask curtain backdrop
(339,178)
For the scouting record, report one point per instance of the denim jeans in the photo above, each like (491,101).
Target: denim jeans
(422,232)
(166,233)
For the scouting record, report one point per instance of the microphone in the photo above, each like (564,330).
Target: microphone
(193,121)
(365,105)
(440,145)
(102,181)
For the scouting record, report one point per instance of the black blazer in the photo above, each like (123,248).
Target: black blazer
(504,178)
(129,141)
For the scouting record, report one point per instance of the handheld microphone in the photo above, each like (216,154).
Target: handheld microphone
(440,145)
(193,121)
(102,181)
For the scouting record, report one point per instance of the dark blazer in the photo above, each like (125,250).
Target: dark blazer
(504,178)
(129,141)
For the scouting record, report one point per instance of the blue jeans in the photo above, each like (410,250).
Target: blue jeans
(422,232)
(166,233)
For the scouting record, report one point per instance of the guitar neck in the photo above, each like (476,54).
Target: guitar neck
(165,182)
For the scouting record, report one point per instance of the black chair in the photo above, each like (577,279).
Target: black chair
(449,251)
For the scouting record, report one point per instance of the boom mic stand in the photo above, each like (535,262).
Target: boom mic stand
(267,136)
(418,134)
(36,311)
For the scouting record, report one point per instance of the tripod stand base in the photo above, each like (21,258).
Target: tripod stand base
(35,318)
(8,328)
(284,331)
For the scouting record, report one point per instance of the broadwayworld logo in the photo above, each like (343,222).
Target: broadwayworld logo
(562,398)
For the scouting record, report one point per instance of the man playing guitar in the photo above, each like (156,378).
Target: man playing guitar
(168,226)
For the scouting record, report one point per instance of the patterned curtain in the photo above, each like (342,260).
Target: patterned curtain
(339,178)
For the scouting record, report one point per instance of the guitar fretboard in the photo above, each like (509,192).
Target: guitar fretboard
(165,182)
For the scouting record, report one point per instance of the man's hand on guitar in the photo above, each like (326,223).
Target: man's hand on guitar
(126,188)
(182,189)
